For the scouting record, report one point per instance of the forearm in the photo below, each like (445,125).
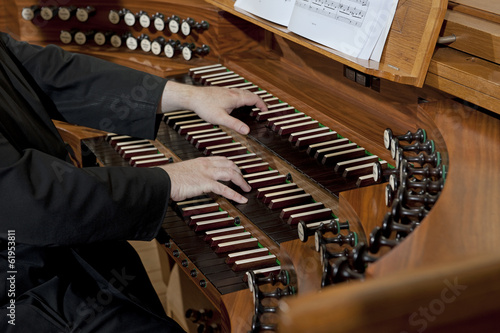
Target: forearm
(50,202)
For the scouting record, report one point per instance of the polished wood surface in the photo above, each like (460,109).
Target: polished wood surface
(469,67)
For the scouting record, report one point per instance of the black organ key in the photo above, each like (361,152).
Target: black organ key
(262,192)
(215,130)
(152,162)
(201,209)
(202,135)
(252,168)
(240,162)
(247,254)
(286,213)
(226,81)
(178,124)
(312,149)
(364,169)
(275,110)
(288,129)
(199,71)
(242,157)
(271,121)
(214,224)
(229,238)
(237,245)
(330,147)
(309,216)
(281,194)
(218,214)
(194,127)
(138,152)
(290,201)
(276,127)
(258,175)
(341,166)
(214,76)
(254,263)
(203,143)
(170,117)
(230,151)
(334,158)
(209,235)
(307,138)
(247,85)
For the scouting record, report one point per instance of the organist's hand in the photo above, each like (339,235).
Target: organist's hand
(201,175)
(213,104)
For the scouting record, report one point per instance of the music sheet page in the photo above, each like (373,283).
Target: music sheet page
(353,27)
(277,11)
(357,29)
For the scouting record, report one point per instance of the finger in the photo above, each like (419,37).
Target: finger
(229,171)
(228,193)
(234,124)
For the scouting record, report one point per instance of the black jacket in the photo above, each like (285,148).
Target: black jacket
(63,217)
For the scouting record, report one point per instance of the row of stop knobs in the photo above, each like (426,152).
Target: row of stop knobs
(141,19)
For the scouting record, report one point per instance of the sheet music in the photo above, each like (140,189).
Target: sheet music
(347,11)
(357,29)
(277,11)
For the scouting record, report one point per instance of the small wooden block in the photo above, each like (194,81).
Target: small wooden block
(237,245)
(261,192)
(201,209)
(257,175)
(320,153)
(269,181)
(214,224)
(259,252)
(254,263)
(312,149)
(334,158)
(285,213)
(222,231)
(193,219)
(285,130)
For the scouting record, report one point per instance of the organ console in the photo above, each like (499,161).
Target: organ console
(324,242)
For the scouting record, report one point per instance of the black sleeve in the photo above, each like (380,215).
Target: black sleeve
(92,92)
(49,202)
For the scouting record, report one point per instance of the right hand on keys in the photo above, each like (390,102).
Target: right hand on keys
(202,175)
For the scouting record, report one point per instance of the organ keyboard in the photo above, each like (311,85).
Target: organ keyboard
(320,215)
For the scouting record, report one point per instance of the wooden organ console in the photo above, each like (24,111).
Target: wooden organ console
(375,191)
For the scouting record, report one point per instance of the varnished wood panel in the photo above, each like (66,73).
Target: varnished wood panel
(467,77)
(474,35)
(487,9)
